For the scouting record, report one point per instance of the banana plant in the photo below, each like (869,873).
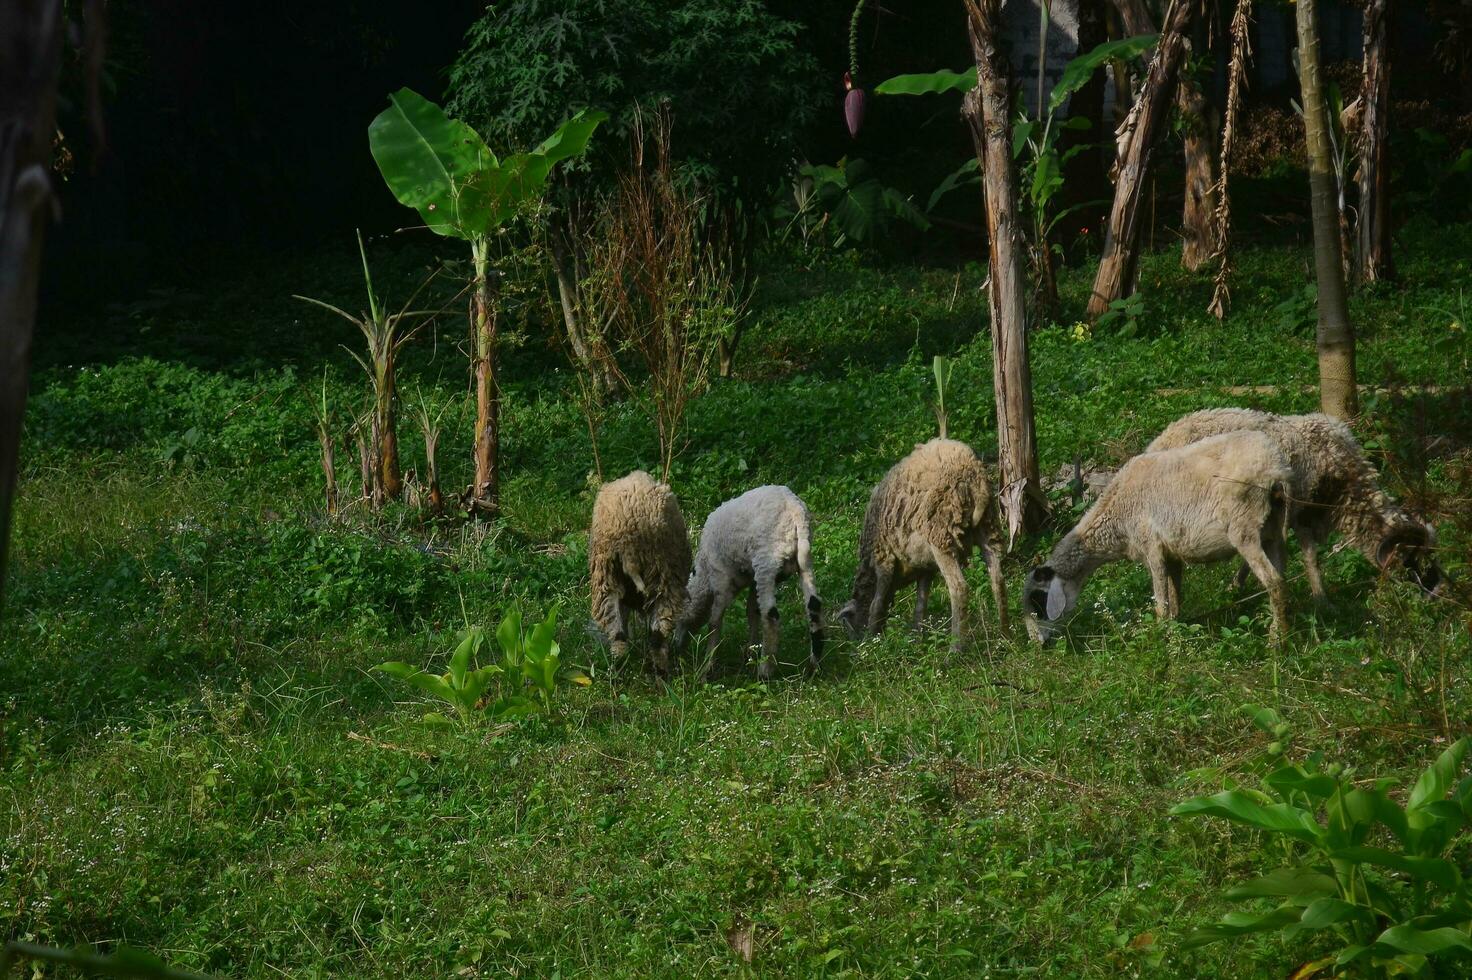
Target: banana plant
(442,168)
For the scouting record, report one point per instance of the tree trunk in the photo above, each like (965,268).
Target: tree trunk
(987,109)
(1373,261)
(367,471)
(485,493)
(432,468)
(1198,215)
(30,59)
(1337,395)
(390,479)
(1085,178)
(1148,121)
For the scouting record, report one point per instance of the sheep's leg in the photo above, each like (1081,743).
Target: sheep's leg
(999,584)
(1271,577)
(664,619)
(922,599)
(1239,580)
(1159,581)
(753,619)
(697,611)
(766,592)
(950,570)
(1174,570)
(883,595)
(721,599)
(618,628)
(812,603)
(1308,545)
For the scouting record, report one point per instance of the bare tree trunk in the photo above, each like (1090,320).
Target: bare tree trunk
(30,59)
(1198,216)
(1337,395)
(1373,260)
(1148,120)
(368,473)
(436,498)
(987,109)
(390,479)
(485,493)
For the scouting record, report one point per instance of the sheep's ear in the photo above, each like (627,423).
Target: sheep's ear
(1057,601)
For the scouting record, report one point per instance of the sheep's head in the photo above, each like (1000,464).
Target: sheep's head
(855,613)
(1412,547)
(1047,599)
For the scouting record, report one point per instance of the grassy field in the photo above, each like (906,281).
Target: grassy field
(196,759)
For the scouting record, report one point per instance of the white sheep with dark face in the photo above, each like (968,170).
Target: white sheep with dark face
(638,562)
(752,543)
(1222,496)
(926,516)
(1334,489)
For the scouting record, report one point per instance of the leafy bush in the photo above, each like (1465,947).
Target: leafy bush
(1381,878)
(523,683)
(739,89)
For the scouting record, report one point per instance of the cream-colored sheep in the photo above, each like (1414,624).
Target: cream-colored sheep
(927,514)
(1202,502)
(638,561)
(752,543)
(1334,489)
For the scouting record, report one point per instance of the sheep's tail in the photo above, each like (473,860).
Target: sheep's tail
(812,602)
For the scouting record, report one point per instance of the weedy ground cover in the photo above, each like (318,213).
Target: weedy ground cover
(196,756)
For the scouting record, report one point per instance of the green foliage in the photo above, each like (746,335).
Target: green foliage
(1299,311)
(1382,878)
(859,207)
(929,83)
(443,169)
(1123,315)
(739,89)
(523,683)
(1078,71)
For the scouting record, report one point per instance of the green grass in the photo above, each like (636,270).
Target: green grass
(197,760)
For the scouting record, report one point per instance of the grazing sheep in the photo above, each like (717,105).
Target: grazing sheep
(1202,502)
(927,514)
(753,542)
(1334,488)
(638,561)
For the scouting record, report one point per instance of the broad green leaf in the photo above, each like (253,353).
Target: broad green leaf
(1293,779)
(1436,870)
(901,207)
(1077,72)
(966,173)
(572,137)
(929,83)
(1436,781)
(460,660)
(508,636)
(514,706)
(1021,133)
(1077,123)
(1287,883)
(397,668)
(1326,912)
(433,719)
(1264,718)
(1235,805)
(1241,923)
(577,677)
(1409,939)
(428,160)
(542,642)
(433,684)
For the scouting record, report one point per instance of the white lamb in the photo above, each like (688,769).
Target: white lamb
(1200,503)
(1334,488)
(638,561)
(752,543)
